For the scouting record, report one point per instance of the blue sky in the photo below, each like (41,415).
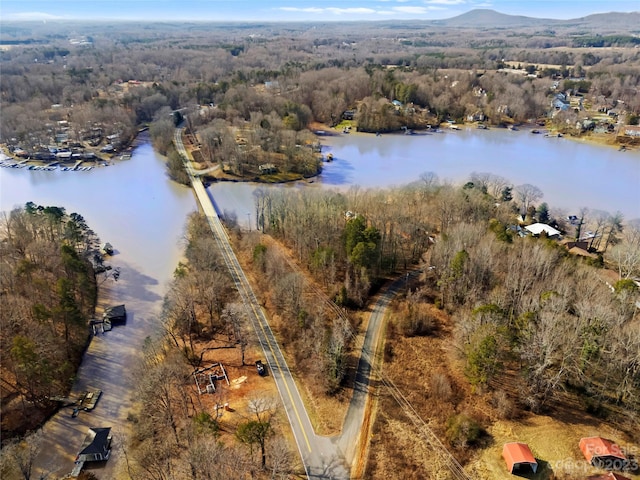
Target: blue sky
(291,10)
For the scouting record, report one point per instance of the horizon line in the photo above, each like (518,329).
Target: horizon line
(41,17)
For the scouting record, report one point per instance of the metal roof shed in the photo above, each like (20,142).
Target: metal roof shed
(518,457)
(609,476)
(598,450)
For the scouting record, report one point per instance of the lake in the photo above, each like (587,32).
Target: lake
(135,207)
(130,204)
(571,174)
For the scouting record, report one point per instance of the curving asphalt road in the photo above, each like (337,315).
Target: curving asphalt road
(352,430)
(322,457)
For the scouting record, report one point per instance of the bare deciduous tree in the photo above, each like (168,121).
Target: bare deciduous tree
(18,456)
(527,194)
(626,254)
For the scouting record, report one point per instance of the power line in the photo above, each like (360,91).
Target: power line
(426,433)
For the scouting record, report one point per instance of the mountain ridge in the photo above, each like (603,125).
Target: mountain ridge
(488,18)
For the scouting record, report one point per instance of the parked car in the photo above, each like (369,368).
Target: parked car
(260,368)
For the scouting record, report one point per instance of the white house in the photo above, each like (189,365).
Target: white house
(537,228)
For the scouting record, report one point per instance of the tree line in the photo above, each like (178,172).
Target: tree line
(174,435)
(290,75)
(48,292)
(525,305)
(518,304)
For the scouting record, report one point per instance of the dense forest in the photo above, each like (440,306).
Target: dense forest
(501,289)
(503,293)
(48,291)
(517,305)
(522,309)
(530,327)
(250,92)
(201,314)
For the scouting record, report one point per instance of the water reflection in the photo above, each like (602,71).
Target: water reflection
(136,208)
(131,204)
(571,174)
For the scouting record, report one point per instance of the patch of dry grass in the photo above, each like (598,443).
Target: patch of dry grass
(429,373)
(554,443)
(325,412)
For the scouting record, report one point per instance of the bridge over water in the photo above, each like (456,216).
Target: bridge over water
(322,457)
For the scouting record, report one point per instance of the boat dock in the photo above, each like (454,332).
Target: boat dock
(77,468)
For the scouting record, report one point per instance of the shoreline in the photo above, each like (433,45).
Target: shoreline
(7,160)
(601,139)
(604,140)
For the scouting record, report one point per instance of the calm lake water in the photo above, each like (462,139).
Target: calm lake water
(134,206)
(571,174)
(131,204)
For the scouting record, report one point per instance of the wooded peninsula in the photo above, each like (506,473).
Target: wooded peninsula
(498,327)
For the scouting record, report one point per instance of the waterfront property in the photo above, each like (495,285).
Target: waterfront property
(95,448)
(631,130)
(538,229)
(267,168)
(116,315)
(106,248)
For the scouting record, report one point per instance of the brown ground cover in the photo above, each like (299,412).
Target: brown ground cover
(326,412)
(422,367)
(428,371)
(230,402)
(17,415)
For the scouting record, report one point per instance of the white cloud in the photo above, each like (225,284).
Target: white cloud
(31,16)
(306,9)
(412,10)
(340,11)
(445,2)
(388,10)
(334,10)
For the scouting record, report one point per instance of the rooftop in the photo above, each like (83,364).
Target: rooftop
(594,447)
(538,228)
(516,454)
(96,442)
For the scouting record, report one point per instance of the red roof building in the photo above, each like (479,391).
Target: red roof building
(609,476)
(518,456)
(598,450)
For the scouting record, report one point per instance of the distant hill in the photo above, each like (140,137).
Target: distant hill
(486,18)
(614,21)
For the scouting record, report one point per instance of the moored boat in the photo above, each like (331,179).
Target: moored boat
(107,248)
